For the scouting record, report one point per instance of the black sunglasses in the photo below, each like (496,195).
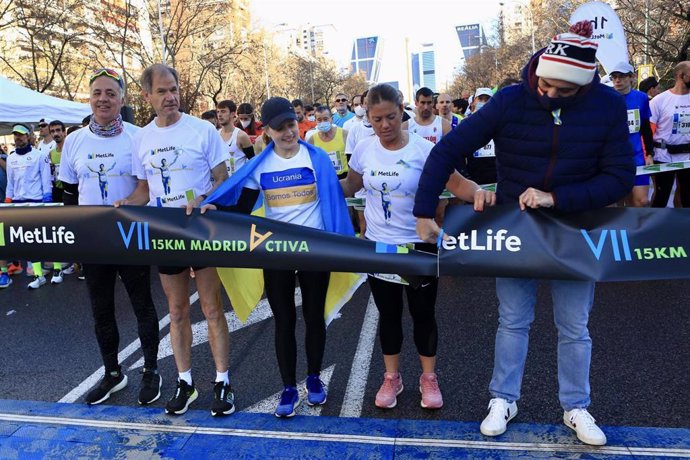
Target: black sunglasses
(341,100)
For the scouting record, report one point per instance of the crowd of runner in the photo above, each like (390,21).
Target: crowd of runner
(555,138)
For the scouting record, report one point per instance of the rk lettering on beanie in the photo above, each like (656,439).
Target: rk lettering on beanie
(570,56)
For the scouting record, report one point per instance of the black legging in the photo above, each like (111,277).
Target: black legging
(664,184)
(100,282)
(421,302)
(280,291)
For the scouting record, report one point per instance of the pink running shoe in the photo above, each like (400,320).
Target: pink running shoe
(431,393)
(392,386)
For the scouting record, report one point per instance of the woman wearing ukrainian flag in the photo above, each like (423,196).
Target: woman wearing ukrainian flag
(298,185)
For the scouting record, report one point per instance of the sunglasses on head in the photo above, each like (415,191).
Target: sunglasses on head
(107,73)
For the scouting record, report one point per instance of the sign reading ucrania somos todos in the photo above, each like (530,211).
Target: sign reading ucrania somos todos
(610,244)
(166,236)
(605,245)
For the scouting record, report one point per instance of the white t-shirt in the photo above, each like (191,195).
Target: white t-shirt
(28,175)
(101,166)
(46,148)
(390,178)
(289,189)
(235,157)
(358,132)
(671,114)
(432,132)
(177,160)
(349,124)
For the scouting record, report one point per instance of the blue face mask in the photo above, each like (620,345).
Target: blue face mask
(324,126)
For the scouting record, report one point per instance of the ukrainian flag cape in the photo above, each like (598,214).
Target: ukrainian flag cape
(245,286)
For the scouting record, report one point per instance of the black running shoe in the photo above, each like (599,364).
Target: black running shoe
(150,388)
(111,382)
(185,394)
(223,400)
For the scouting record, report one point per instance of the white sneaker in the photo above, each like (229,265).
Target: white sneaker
(500,413)
(57,278)
(37,282)
(585,426)
(68,270)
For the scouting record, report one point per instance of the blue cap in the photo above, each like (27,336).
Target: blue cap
(276,110)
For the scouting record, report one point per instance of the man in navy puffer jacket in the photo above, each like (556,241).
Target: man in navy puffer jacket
(561,141)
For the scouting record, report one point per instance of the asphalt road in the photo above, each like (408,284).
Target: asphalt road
(640,373)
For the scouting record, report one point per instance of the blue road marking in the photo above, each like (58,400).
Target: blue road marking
(40,429)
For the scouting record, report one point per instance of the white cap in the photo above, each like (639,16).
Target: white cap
(483,92)
(622,67)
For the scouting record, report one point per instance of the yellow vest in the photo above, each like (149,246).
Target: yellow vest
(335,149)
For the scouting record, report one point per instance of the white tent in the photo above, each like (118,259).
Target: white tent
(22,105)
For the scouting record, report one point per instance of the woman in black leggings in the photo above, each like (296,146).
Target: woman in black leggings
(285,174)
(388,166)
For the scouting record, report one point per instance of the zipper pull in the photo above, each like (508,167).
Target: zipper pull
(556,114)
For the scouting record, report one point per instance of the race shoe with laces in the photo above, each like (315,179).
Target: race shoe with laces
(289,401)
(15,269)
(68,270)
(150,388)
(185,394)
(431,393)
(316,393)
(5,280)
(37,282)
(387,396)
(57,277)
(585,426)
(223,399)
(109,384)
(500,413)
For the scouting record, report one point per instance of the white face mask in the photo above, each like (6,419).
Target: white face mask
(479,105)
(245,123)
(360,111)
(311,118)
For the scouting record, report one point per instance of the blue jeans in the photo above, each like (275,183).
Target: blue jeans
(572,302)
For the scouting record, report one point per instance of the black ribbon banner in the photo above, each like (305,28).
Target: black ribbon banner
(604,245)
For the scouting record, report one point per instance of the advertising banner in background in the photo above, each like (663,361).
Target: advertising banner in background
(607,32)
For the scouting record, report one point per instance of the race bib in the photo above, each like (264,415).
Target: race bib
(390,277)
(487,151)
(175,200)
(335,159)
(230,163)
(681,123)
(634,121)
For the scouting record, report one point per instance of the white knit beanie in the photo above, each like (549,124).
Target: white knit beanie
(570,56)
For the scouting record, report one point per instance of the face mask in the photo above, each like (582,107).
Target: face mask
(324,126)
(245,123)
(360,111)
(311,118)
(479,105)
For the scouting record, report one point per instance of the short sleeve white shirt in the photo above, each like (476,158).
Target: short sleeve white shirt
(101,166)
(289,189)
(177,160)
(391,178)
(671,114)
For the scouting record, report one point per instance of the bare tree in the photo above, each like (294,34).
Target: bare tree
(46,34)
(658,32)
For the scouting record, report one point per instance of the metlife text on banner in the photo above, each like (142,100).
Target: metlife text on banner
(610,244)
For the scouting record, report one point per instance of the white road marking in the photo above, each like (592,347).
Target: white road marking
(268,405)
(352,438)
(357,383)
